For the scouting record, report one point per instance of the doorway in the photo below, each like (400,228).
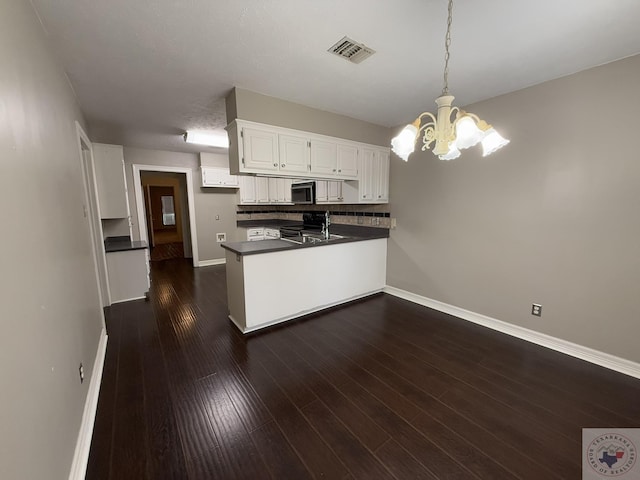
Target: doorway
(187,204)
(165,214)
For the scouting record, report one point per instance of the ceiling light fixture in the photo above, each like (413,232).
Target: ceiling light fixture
(450,136)
(201,137)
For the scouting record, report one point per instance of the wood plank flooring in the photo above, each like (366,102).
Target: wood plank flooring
(378,389)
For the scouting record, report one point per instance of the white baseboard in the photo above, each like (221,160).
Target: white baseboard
(215,261)
(83,444)
(584,353)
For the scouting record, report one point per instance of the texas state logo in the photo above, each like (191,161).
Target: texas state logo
(612,455)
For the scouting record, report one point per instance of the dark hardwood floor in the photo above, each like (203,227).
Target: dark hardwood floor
(380,388)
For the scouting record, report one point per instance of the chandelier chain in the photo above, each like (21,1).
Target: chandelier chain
(447,43)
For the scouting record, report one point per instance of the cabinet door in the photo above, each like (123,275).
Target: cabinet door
(366,161)
(218,177)
(247,191)
(262,189)
(287,182)
(260,149)
(294,153)
(381,175)
(209,178)
(324,158)
(110,180)
(334,193)
(347,160)
(322,192)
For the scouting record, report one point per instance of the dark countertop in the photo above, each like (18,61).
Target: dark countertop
(353,233)
(122,244)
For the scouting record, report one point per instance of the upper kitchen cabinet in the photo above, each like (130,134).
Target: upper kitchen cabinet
(373,178)
(110,181)
(294,153)
(218,177)
(269,150)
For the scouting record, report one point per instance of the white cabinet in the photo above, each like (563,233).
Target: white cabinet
(279,190)
(373,178)
(260,148)
(381,177)
(111,181)
(324,158)
(330,158)
(247,192)
(294,153)
(264,190)
(329,191)
(128,273)
(347,160)
(218,177)
(283,152)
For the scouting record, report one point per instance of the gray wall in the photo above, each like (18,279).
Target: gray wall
(209,202)
(51,316)
(552,218)
(248,105)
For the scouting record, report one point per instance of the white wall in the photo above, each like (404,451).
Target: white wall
(49,308)
(552,218)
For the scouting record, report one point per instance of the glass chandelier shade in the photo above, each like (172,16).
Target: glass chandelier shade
(449,135)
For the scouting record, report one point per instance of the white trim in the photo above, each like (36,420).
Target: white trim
(215,261)
(95,224)
(83,444)
(137,187)
(128,299)
(563,346)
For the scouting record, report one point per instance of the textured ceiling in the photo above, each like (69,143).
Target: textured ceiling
(144,71)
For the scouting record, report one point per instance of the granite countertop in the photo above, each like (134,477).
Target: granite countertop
(122,244)
(352,233)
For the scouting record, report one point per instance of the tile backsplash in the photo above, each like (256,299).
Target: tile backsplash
(367,215)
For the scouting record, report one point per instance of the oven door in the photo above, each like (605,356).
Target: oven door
(303,193)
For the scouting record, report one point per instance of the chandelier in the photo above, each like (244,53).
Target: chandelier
(450,135)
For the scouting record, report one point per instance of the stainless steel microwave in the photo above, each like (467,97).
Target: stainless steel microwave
(303,193)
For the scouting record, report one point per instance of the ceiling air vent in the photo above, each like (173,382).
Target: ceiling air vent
(353,51)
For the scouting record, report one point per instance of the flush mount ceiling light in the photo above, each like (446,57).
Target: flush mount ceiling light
(450,136)
(210,138)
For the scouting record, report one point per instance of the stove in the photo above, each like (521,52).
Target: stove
(311,223)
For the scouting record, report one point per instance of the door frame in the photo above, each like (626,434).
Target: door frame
(92,212)
(141,210)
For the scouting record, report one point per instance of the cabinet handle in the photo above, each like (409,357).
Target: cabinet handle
(282,165)
(339,171)
(334,169)
(275,164)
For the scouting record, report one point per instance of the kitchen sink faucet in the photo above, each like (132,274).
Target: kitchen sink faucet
(325,226)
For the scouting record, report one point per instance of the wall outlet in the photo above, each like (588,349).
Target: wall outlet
(536,309)
(393,223)
(217,217)
(81,372)
(221,237)
(360,220)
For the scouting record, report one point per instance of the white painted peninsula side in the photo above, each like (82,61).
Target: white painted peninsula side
(280,282)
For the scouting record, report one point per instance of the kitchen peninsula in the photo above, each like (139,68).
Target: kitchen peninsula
(272,281)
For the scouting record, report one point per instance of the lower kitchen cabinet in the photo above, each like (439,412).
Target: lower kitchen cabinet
(128,273)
